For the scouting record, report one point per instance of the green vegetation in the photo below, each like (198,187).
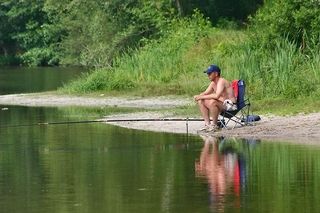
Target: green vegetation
(93,33)
(173,63)
(273,106)
(162,47)
(281,67)
(160,67)
(296,20)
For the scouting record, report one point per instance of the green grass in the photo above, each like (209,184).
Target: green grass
(287,106)
(172,65)
(281,107)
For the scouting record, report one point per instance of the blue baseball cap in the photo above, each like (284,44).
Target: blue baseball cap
(212,68)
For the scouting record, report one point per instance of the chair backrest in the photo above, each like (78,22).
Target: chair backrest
(241,93)
(235,88)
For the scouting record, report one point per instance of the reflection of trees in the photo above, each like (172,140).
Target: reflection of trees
(99,168)
(88,168)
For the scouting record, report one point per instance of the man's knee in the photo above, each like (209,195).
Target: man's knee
(211,103)
(201,102)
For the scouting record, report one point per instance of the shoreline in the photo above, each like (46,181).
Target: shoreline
(302,128)
(52,100)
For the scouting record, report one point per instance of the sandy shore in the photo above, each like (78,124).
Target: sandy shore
(44,99)
(299,128)
(302,128)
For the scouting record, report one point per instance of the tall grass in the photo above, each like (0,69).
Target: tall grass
(174,64)
(155,68)
(284,71)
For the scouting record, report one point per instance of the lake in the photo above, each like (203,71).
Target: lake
(102,168)
(35,79)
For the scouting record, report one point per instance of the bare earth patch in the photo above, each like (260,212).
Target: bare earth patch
(301,128)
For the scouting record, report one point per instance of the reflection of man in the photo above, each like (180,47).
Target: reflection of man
(211,166)
(220,171)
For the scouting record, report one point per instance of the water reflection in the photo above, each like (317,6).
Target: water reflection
(35,79)
(222,163)
(102,168)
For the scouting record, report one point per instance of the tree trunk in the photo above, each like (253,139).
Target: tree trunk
(5,52)
(179,7)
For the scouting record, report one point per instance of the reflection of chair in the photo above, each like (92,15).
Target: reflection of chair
(223,164)
(241,115)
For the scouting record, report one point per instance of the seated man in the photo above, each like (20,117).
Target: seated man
(217,97)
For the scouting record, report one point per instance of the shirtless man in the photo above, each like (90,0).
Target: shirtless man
(217,97)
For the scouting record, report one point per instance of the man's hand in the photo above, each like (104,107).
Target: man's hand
(197,97)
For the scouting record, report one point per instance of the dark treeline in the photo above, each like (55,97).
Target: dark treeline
(237,10)
(92,33)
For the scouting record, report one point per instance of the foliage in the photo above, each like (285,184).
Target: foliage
(9,60)
(173,64)
(147,46)
(296,20)
(98,31)
(161,62)
(7,45)
(40,57)
(30,32)
(219,9)
(94,33)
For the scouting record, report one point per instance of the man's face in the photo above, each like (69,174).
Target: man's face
(212,76)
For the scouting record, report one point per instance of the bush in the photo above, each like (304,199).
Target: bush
(160,62)
(40,57)
(296,20)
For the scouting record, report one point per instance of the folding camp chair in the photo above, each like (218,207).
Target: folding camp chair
(241,115)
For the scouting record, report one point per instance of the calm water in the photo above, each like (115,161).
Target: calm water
(100,168)
(35,79)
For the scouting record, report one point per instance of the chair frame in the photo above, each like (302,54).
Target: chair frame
(243,111)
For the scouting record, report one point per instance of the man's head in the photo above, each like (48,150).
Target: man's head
(213,69)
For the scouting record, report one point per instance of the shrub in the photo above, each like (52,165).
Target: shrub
(297,20)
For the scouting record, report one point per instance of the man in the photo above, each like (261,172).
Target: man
(217,97)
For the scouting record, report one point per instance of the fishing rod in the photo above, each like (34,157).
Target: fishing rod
(102,121)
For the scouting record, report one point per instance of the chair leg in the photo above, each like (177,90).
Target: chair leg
(222,123)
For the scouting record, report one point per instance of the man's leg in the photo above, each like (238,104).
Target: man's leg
(204,111)
(214,112)
(215,108)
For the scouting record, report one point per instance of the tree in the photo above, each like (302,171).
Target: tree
(7,44)
(296,20)
(98,31)
(216,9)
(95,32)
(31,31)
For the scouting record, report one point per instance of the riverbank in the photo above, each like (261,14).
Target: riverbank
(302,127)
(52,100)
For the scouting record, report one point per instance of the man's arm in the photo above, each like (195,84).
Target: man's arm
(208,90)
(216,95)
(204,94)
